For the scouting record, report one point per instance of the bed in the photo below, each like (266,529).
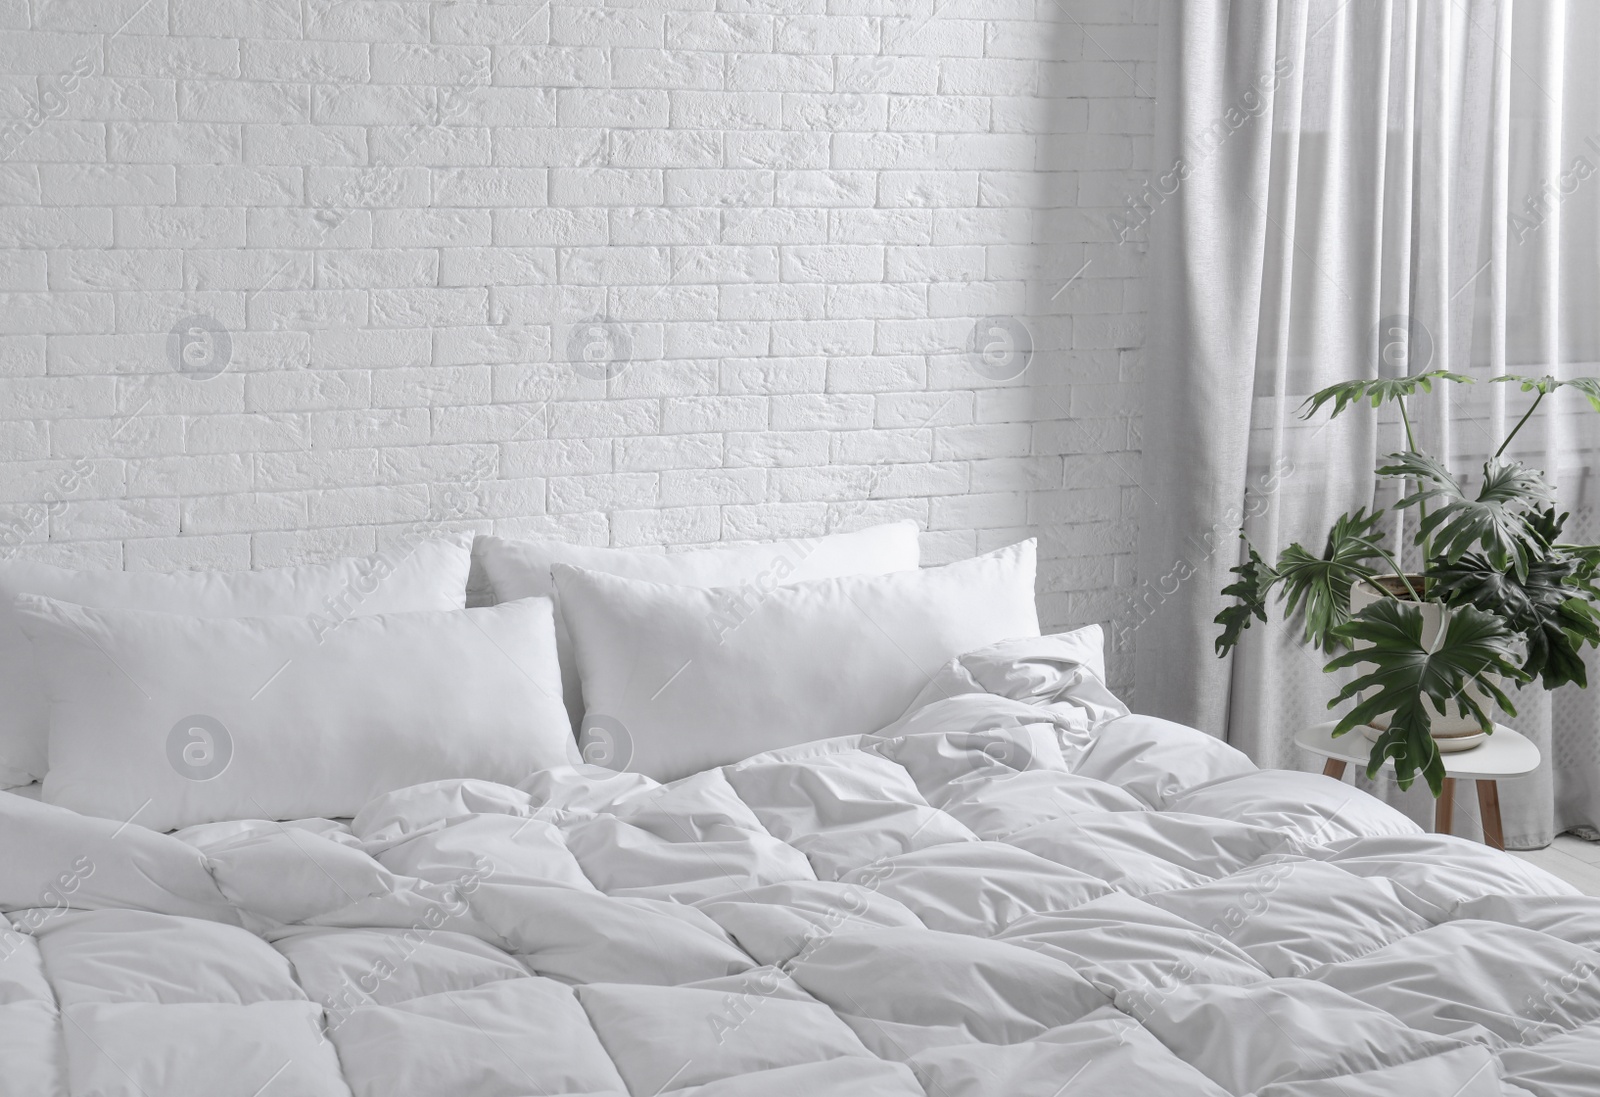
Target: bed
(992,895)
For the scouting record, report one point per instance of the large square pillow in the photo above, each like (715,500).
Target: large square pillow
(678,679)
(429,575)
(521,569)
(171,720)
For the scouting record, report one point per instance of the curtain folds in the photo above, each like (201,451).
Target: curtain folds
(1362,189)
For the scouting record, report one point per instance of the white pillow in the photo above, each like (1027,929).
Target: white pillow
(521,569)
(679,679)
(173,720)
(431,575)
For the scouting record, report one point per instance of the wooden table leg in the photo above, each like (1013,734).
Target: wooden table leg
(1489,809)
(1334,768)
(1443,806)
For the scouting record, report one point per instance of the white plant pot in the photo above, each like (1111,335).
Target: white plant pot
(1446,725)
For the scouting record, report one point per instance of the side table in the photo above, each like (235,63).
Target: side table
(1503,754)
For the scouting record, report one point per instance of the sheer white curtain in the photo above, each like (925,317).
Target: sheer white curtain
(1363,187)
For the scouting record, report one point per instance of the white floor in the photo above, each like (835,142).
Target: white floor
(1571,858)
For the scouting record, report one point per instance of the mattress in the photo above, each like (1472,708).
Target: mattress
(994,895)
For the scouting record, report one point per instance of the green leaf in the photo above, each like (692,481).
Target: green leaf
(1410,755)
(1255,582)
(1496,521)
(1317,588)
(1471,649)
(1377,391)
(1552,622)
(1587,558)
(1553,607)
(1546,526)
(1590,387)
(1544,386)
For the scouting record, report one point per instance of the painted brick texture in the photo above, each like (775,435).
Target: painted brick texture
(286,279)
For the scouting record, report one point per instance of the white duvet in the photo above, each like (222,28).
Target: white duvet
(998,894)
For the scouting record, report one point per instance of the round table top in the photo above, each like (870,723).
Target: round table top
(1506,753)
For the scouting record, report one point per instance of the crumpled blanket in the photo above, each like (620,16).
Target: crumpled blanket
(1015,889)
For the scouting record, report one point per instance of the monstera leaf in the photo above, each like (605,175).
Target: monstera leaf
(1376,391)
(1471,649)
(1587,559)
(1553,609)
(1544,386)
(1250,590)
(1496,521)
(1552,623)
(1316,589)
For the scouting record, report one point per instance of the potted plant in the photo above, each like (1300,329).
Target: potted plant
(1499,598)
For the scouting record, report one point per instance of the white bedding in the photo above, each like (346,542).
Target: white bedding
(996,895)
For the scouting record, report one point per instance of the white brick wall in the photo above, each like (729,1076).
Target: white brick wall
(794,211)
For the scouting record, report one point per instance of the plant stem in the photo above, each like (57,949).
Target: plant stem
(1525,417)
(1422,504)
(1377,586)
(1411,441)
